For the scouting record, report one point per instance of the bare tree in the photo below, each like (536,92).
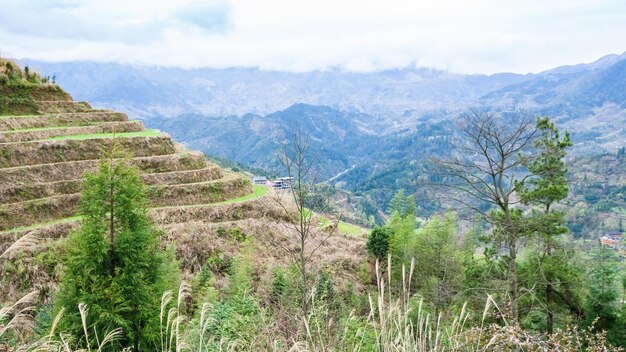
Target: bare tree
(495,150)
(297,161)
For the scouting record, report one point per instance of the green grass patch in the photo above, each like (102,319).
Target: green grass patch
(343,227)
(257,192)
(349,229)
(145,133)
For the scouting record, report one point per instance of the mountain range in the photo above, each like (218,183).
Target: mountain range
(376,129)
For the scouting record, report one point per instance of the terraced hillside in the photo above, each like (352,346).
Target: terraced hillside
(44,152)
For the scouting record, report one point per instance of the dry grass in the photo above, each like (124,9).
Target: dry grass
(227,187)
(60,120)
(16,192)
(215,213)
(13,193)
(33,153)
(64,205)
(44,173)
(58,106)
(41,134)
(20,268)
(37,211)
(208,173)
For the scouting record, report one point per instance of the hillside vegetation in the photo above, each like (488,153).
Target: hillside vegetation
(115,238)
(48,141)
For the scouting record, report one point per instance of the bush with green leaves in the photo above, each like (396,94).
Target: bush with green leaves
(378,242)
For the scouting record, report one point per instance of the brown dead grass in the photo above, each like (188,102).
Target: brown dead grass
(193,233)
(20,192)
(42,210)
(58,120)
(196,241)
(44,173)
(32,153)
(36,267)
(102,127)
(58,106)
(208,173)
(216,213)
(37,211)
(228,187)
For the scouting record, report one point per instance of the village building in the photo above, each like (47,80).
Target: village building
(283,183)
(259,180)
(613,239)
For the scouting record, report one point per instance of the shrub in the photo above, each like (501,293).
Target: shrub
(378,242)
(236,234)
(219,262)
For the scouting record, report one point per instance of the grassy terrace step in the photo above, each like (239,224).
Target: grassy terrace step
(247,206)
(52,230)
(25,192)
(82,137)
(62,206)
(32,134)
(11,123)
(45,173)
(251,208)
(59,106)
(209,173)
(230,186)
(40,210)
(46,152)
(14,193)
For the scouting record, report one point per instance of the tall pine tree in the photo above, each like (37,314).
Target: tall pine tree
(548,185)
(113,263)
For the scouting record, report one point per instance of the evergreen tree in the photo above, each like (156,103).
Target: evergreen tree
(548,185)
(113,263)
(378,242)
(438,271)
(402,226)
(603,298)
(397,204)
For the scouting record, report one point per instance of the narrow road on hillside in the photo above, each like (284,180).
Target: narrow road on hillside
(341,173)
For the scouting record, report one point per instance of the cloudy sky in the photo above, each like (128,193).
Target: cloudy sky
(468,36)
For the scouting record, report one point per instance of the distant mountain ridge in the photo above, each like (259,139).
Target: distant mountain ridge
(151,91)
(401,97)
(381,126)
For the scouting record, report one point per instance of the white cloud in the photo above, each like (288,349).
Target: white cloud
(458,35)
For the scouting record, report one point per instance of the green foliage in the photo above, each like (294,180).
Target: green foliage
(279,285)
(378,242)
(402,204)
(219,262)
(113,263)
(549,182)
(236,318)
(602,309)
(551,271)
(319,198)
(403,225)
(236,234)
(438,271)
(360,336)
(325,290)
